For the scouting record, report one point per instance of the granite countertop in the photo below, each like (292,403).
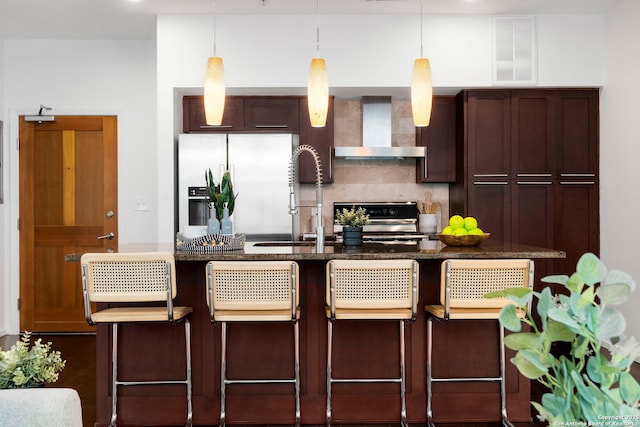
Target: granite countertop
(255,251)
(301,251)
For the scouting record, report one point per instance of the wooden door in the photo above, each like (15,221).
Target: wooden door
(68,201)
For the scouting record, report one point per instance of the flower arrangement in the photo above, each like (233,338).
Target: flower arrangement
(584,386)
(22,366)
(221,194)
(352,217)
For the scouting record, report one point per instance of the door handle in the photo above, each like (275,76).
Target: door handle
(107,236)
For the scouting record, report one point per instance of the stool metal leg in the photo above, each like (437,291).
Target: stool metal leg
(114,374)
(429,374)
(329,379)
(503,380)
(403,405)
(223,372)
(296,338)
(187,339)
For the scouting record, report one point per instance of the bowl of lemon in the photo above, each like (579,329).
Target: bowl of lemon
(462,231)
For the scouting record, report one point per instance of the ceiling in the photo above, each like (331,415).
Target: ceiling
(128,19)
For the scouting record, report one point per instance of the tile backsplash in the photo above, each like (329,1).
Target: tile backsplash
(370,180)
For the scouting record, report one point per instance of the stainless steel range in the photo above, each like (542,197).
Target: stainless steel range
(391,222)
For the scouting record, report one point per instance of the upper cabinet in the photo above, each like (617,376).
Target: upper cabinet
(271,113)
(248,114)
(319,138)
(440,139)
(577,130)
(487,127)
(193,117)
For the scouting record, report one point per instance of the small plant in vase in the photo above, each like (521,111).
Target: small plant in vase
(220,196)
(352,220)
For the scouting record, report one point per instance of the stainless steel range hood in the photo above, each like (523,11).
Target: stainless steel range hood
(376,134)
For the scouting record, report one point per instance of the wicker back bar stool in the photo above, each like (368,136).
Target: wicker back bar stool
(370,290)
(254,291)
(145,277)
(463,284)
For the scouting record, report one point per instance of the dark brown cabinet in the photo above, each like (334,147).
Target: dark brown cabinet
(319,138)
(528,168)
(440,139)
(271,113)
(193,117)
(249,114)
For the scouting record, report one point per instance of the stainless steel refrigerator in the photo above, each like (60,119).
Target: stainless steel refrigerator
(259,167)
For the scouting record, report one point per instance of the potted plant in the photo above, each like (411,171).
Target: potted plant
(220,196)
(586,385)
(352,220)
(23,366)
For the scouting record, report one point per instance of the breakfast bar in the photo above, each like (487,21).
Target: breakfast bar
(364,348)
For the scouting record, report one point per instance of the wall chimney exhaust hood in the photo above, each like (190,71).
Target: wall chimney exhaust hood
(376,134)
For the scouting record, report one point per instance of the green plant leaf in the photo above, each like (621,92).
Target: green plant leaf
(583,390)
(563,316)
(527,368)
(617,276)
(590,269)
(612,324)
(509,318)
(545,302)
(629,388)
(519,295)
(558,332)
(575,284)
(522,340)
(588,297)
(594,370)
(560,279)
(553,404)
(614,293)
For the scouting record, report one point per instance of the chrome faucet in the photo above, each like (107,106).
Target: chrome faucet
(293,207)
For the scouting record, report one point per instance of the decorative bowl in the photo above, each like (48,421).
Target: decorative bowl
(466,240)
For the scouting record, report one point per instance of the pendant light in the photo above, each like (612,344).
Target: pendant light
(214,90)
(318,86)
(421,87)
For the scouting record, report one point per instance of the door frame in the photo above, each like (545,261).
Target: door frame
(12,202)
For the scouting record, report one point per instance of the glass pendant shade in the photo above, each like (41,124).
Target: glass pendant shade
(214,91)
(318,93)
(421,92)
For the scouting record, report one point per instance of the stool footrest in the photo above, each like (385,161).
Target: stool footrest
(260,381)
(366,380)
(453,380)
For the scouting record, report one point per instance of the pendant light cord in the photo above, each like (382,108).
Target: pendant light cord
(421,22)
(214,28)
(317,28)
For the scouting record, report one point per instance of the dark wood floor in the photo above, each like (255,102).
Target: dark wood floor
(80,373)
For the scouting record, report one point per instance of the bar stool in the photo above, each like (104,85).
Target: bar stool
(463,284)
(370,290)
(254,291)
(134,278)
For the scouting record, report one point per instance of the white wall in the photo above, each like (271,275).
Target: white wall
(364,54)
(4,288)
(620,151)
(84,77)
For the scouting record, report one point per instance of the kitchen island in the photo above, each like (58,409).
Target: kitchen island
(362,348)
